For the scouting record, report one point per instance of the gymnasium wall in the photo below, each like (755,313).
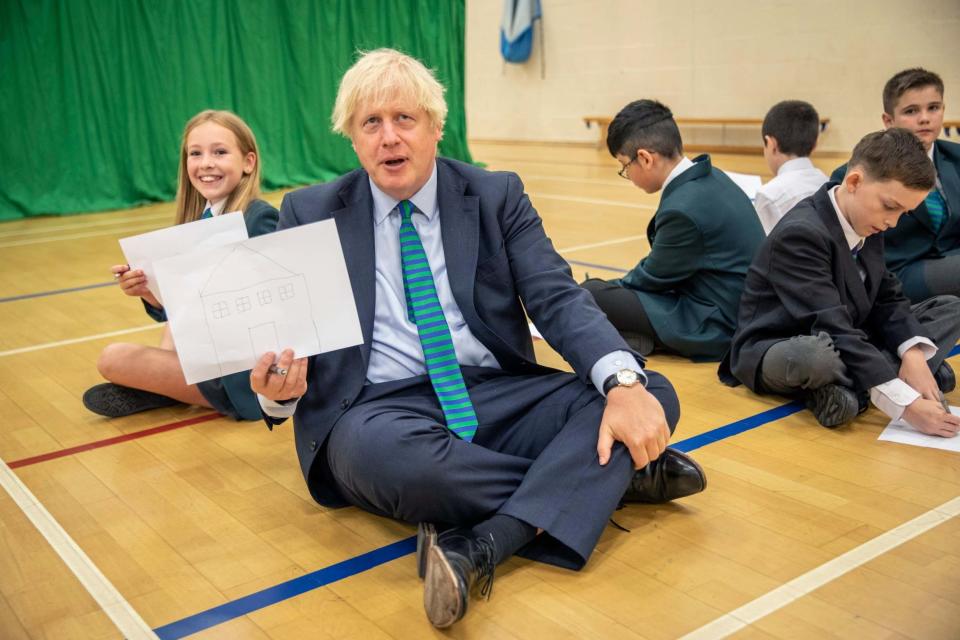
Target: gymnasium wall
(706,58)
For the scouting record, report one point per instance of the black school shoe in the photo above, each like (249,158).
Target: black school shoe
(671,476)
(833,405)
(452,564)
(946,379)
(115,401)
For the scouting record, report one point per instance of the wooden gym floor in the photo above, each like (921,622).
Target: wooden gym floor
(185,523)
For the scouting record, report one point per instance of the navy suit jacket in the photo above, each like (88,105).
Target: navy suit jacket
(804,281)
(499,263)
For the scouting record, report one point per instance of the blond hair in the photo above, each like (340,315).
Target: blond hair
(189,201)
(382,75)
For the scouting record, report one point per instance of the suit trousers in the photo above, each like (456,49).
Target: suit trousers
(934,277)
(803,363)
(534,457)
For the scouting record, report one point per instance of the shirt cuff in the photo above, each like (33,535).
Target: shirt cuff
(610,364)
(893,397)
(275,409)
(929,349)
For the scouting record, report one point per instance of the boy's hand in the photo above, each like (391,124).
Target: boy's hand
(915,372)
(928,416)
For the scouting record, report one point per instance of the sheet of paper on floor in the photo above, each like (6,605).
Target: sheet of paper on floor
(901,432)
(229,305)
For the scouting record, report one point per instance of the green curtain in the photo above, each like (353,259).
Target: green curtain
(95,93)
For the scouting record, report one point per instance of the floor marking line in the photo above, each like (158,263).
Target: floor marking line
(75,236)
(42,294)
(802,585)
(61,343)
(604,243)
(605,267)
(285,590)
(126,619)
(97,444)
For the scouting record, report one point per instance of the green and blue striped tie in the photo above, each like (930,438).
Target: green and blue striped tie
(935,207)
(207,213)
(424,310)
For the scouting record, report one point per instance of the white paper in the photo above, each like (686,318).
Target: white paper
(144,250)
(229,305)
(901,432)
(748,182)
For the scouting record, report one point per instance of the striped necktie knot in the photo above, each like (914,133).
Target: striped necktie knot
(207,213)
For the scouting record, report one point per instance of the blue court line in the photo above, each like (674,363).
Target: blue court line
(285,590)
(597,266)
(353,566)
(57,292)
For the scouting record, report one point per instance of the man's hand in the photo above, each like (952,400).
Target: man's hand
(635,418)
(929,417)
(274,385)
(915,372)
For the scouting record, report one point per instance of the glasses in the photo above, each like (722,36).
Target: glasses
(623,170)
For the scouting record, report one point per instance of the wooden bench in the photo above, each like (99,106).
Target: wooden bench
(603,123)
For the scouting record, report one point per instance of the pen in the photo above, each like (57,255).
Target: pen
(280,371)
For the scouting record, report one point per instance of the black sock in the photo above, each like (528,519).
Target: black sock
(508,533)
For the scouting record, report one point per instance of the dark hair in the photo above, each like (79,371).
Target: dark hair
(795,124)
(895,154)
(906,80)
(644,124)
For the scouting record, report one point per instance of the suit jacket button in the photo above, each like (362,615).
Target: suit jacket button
(344,403)
(313,445)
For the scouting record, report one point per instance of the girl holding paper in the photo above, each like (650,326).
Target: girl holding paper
(219,173)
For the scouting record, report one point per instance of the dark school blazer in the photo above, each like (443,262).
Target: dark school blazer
(804,280)
(702,238)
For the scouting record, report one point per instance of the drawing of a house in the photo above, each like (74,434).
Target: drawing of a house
(245,301)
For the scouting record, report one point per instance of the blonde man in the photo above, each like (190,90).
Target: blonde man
(443,414)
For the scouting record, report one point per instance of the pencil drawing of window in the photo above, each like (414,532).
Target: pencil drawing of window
(242,275)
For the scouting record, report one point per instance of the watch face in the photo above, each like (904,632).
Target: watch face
(626,377)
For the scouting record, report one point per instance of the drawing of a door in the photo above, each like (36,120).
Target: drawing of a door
(263,338)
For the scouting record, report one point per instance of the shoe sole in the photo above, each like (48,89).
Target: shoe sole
(426,538)
(441,591)
(832,413)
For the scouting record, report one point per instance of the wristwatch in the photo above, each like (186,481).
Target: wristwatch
(622,378)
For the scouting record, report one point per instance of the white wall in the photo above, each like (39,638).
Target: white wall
(703,58)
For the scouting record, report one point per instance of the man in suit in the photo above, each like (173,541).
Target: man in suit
(442,416)
(923,250)
(822,318)
(682,297)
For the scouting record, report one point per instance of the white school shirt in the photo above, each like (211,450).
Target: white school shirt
(795,180)
(894,396)
(216,208)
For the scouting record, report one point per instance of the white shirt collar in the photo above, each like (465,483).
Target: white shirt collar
(425,200)
(795,164)
(930,151)
(851,236)
(684,164)
(216,207)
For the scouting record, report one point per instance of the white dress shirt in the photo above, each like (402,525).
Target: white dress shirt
(395,350)
(894,396)
(795,180)
(684,164)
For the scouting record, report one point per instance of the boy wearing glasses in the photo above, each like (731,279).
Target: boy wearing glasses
(683,296)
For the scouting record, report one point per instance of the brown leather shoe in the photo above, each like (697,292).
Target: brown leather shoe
(671,476)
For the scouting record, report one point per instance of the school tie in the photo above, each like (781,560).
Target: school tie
(207,213)
(424,310)
(855,252)
(936,209)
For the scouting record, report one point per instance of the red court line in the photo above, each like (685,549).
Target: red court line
(116,440)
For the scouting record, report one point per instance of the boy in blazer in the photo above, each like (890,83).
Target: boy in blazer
(682,297)
(821,316)
(923,250)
